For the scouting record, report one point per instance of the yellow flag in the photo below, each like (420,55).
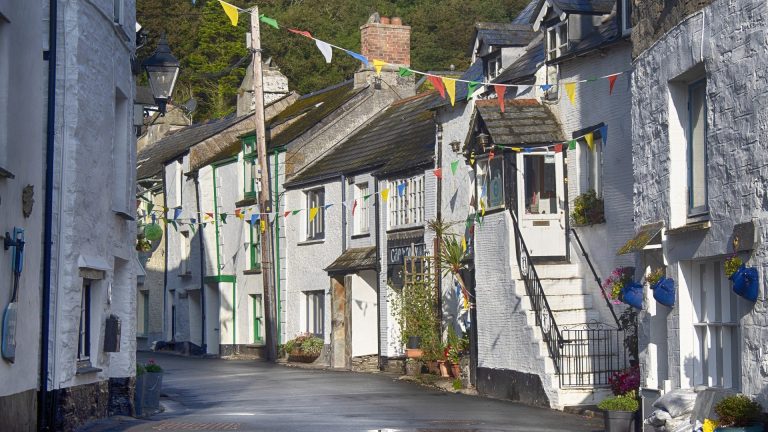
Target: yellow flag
(231,12)
(463,244)
(377,65)
(263,225)
(570,89)
(450,88)
(385,194)
(312,213)
(517,149)
(590,139)
(482,207)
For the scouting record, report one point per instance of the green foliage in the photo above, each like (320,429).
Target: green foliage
(304,344)
(732,264)
(457,385)
(654,276)
(140,370)
(738,410)
(207,45)
(588,209)
(415,310)
(453,348)
(152,367)
(625,402)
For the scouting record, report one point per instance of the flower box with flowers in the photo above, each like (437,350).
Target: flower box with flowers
(620,287)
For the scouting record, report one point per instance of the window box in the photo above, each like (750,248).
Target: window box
(588,209)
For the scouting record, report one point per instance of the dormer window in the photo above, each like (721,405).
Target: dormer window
(493,65)
(557,40)
(625,15)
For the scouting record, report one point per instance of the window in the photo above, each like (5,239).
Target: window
(625,16)
(361,215)
(592,163)
(84,338)
(557,40)
(716,348)
(117,11)
(121,156)
(697,149)
(315,225)
(142,313)
(406,201)
(184,267)
(540,184)
(493,65)
(490,182)
(251,169)
(256,312)
(315,312)
(254,247)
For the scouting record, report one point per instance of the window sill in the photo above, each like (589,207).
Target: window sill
(361,235)
(401,228)
(252,271)
(123,215)
(185,275)
(84,367)
(690,227)
(247,202)
(310,242)
(4,173)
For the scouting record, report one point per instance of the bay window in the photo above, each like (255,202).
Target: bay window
(490,182)
(406,201)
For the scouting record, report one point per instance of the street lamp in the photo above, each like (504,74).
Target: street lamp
(162,70)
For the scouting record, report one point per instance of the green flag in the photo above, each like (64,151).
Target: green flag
(404,72)
(471,87)
(269,21)
(173,222)
(454,166)
(223,218)
(572,145)
(295,212)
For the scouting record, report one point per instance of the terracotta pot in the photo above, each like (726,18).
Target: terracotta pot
(433,367)
(397,21)
(455,370)
(385,20)
(414,352)
(443,368)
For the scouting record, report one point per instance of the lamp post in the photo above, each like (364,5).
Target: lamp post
(162,70)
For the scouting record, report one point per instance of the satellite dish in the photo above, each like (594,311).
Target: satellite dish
(190,105)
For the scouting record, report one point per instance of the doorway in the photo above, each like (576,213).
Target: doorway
(541,203)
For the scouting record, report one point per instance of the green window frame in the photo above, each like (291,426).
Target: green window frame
(250,162)
(256,307)
(254,247)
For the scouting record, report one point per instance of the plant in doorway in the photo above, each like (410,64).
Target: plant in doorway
(588,209)
(305,348)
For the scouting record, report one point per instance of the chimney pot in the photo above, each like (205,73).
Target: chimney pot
(385,20)
(396,21)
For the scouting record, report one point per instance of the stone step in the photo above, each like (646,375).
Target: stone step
(567,317)
(563,302)
(581,396)
(555,271)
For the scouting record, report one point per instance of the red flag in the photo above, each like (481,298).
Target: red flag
(558,148)
(285,214)
(437,83)
(210,215)
(500,89)
(301,32)
(491,154)
(611,82)
(438,172)
(237,212)
(354,206)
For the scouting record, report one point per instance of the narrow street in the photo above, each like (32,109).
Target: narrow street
(212,394)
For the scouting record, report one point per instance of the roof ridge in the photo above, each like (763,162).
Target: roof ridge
(327,89)
(412,98)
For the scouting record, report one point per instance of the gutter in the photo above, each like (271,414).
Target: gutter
(378,266)
(276,206)
(343,214)
(42,408)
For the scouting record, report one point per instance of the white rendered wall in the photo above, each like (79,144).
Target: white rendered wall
(364,305)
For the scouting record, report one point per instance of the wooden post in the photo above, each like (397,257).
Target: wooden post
(265,205)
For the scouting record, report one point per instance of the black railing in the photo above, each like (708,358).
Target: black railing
(597,278)
(545,319)
(590,356)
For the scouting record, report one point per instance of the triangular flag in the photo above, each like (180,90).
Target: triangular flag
(590,139)
(254,218)
(312,213)
(604,134)
(223,217)
(570,90)
(500,90)
(558,148)
(325,49)
(611,82)
(472,158)
(437,83)
(263,226)
(193,220)
(300,32)
(454,166)
(237,213)
(385,194)
(516,149)
(231,12)
(176,213)
(285,214)
(438,172)
(354,206)
(360,57)
(377,65)
(471,87)
(327,206)
(365,198)
(528,150)
(572,145)
(295,212)
(463,244)
(176,227)
(450,88)
(210,215)
(491,154)
(404,72)
(401,189)
(192,228)
(269,21)
(150,206)
(545,87)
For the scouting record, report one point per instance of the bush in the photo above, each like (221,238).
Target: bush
(140,370)
(627,402)
(738,411)
(305,344)
(588,209)
(625,381)
(457,384)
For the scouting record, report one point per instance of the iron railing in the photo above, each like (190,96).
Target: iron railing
(597,278)
(591,355)
(545,319)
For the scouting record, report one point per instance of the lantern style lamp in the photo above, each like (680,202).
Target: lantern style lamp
(483,139)
(162,70)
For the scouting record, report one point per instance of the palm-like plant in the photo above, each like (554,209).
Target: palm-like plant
(452,256)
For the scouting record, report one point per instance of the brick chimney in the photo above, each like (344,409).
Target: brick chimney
(388,42)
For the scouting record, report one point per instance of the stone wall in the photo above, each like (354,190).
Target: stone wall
(653,18)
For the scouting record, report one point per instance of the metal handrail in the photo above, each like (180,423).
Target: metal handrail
(545,319)
(597,278)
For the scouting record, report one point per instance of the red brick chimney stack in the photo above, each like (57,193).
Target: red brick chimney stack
(388,42)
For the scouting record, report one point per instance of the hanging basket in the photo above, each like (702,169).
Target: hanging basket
(664,291)
(153,232)
(632,294)
(746,282)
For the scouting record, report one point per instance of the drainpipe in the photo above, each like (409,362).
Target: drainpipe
(439,201)
(343,213)
(277,241)
(165,259)
(378,264)
(43,410)
(202,264)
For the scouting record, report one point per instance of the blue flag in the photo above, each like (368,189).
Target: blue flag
(360,57)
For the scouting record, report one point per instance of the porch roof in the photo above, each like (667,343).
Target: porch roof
(644,236)
(525,121)
(353,260)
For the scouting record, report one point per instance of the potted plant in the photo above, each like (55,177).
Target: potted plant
(453,352)
(738,413)
(588,209)
(149,383)
(746,280)
(620,287)
(413,348)
(412,367)
(619,412)
(305,348)
(662,286)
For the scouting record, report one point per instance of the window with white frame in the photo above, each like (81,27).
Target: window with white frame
(360,208)
(117,11)
(406,201)
(315,214)
(715,357)
(625,16)
(5,62)
(121,155)
(592,163)
(84,328)
(185,248)
(315,312)
(557,40)
(490,182)
(697,149)
(493,65)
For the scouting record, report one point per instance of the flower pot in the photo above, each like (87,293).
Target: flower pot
(152,385)
(455,370)
(301,357)
(432,367)
(753,428)
(443,368)
(664,291)
(746,282)
(413,342)
(619,421)
(414,353)
(632,294)
(138,396)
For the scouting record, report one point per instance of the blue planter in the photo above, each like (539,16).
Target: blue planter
(664,291)
(632,294)
(753,428)
(746,282)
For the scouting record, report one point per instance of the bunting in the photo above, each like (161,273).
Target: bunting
(232,12)
(312,213)
(438,172)
(590,139)
(401,189)
(454,167)
(384,194)
(360,57)
(450,88)
(306,34)
(611,82)
(471,87)
(604,134)
(500,90)
(269,21)
(325,50)
(404,72)
(377,65)
(437,83)
(570,90)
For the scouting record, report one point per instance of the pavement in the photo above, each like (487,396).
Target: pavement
(248,395)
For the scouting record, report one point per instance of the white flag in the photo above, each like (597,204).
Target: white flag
(325,49)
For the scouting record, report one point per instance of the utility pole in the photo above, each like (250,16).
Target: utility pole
(264,197)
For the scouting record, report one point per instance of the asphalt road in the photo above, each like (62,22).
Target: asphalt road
(212,394)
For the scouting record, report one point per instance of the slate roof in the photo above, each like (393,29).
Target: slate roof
(501,34)
(607,32)
(150,159)
(526,65)
(353,260)
(592,7)
(525,121)
(474,73)
(527,15)
(399,138)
